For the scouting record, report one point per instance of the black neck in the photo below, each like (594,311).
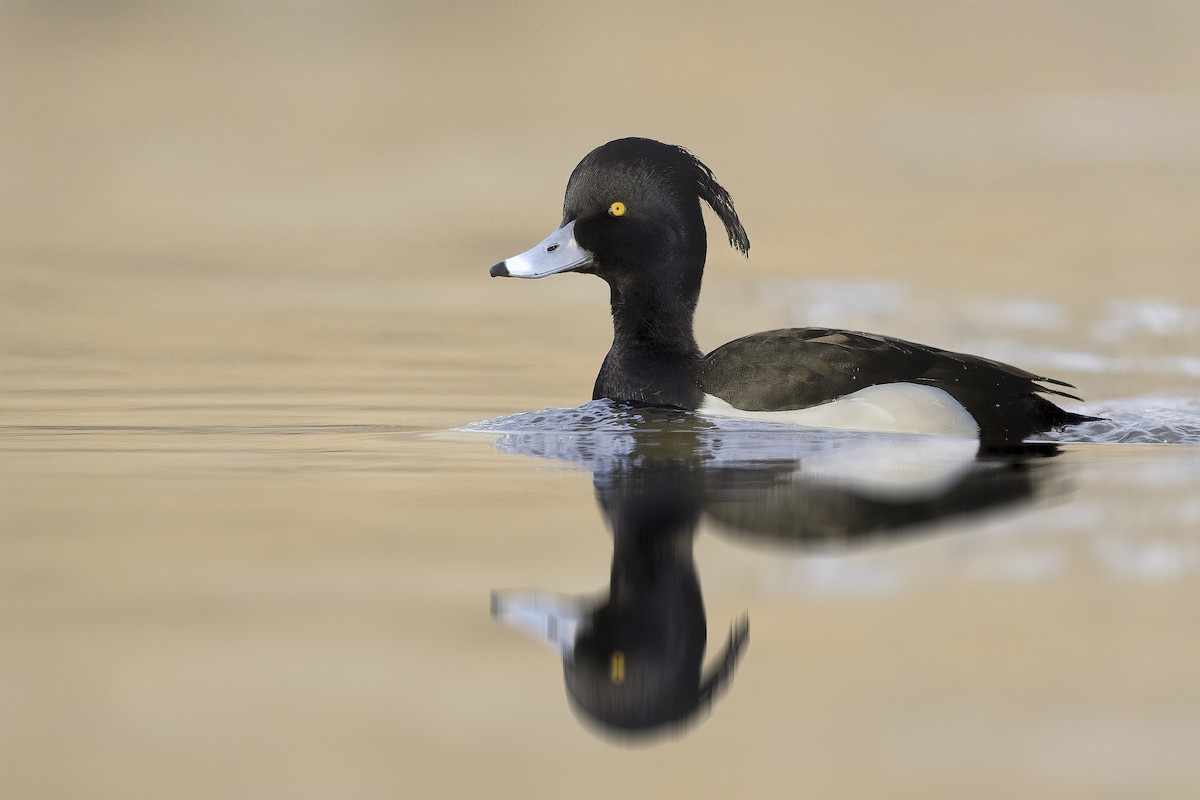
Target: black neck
(644,319)
(654,355)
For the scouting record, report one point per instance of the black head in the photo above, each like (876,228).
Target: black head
(633,205)
(635,200)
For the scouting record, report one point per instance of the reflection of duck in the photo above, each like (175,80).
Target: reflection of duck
(869,490)
(799,487)
(632,216)
(632,661)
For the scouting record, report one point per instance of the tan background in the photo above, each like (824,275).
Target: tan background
(243,255)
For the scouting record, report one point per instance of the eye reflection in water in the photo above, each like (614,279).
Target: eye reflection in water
(633,660)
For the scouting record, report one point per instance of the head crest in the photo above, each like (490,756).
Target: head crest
(719,200)
(632,158)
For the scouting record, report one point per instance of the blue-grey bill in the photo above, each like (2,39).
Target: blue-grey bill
(558,252)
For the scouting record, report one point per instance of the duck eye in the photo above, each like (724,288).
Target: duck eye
(616,209)
(617,668)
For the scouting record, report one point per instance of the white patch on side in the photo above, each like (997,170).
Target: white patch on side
(888,407)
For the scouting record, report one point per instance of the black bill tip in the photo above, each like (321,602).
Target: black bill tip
(499,271)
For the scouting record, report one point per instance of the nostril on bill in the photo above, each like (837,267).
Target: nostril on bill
(551,248)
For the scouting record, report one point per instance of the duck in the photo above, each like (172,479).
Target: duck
(632,216)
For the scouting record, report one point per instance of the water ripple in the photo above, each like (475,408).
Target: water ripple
(1143,420)
(1140,420)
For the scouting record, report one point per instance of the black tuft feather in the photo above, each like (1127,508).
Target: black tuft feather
(718,198)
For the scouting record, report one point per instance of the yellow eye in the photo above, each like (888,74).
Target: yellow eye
(617,668)
(616,209)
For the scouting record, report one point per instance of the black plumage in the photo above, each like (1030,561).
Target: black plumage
(652,256)
(803,367)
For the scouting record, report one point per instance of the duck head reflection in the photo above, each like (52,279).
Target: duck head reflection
(633,659)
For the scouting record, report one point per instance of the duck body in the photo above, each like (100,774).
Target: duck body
(632,216)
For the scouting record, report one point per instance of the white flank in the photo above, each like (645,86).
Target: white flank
(888,407)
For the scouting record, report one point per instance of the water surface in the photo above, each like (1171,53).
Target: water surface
(247,548)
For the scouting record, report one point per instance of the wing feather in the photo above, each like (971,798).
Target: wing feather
(796,368)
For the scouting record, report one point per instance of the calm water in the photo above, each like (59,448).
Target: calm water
(279,513)
(298,570)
